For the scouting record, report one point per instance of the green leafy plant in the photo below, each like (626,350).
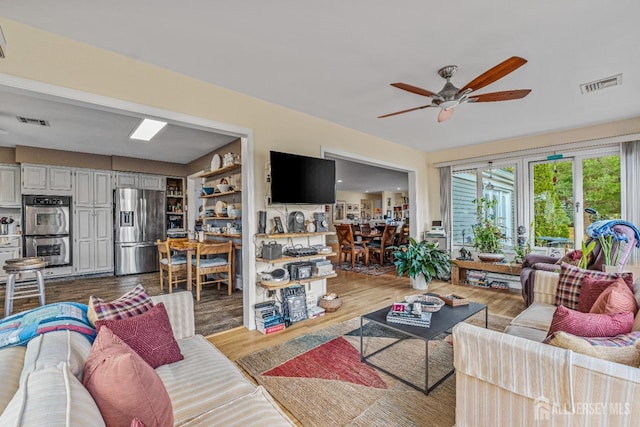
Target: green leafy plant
(488,232)
(422,258)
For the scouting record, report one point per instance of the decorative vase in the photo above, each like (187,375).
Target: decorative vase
(489,257)
(419,282)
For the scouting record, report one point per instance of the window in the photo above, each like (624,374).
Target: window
(495,182)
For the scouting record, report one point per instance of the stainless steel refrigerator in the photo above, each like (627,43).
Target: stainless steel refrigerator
(139,221)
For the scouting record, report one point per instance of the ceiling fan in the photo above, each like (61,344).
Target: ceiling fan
(450,96)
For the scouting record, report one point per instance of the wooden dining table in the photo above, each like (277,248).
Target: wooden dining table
(366,237)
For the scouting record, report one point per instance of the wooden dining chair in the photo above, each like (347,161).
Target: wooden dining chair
(380,249)
(220,266)
(348,246)
(173,268)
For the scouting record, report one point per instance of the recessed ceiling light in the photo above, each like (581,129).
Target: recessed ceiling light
(366,191)
(147,129)
(398,188)
(339,180)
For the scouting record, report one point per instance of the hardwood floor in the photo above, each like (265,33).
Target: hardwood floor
(360,294)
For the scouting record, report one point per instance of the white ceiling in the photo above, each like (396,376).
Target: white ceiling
(335,59)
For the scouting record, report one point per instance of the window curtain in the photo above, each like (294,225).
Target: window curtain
(445,200)
(631,208)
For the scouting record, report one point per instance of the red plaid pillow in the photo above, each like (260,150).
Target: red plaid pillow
(134,302)
(568,291)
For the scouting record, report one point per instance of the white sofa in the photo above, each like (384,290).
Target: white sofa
(41,382)
(512,379)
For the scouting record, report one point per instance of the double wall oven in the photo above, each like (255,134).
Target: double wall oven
(47,228)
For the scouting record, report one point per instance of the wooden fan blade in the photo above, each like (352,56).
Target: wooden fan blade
(413,89)
(500,96)
(405,111)
(495,73)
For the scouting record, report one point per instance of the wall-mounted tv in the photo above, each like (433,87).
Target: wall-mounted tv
(302,180)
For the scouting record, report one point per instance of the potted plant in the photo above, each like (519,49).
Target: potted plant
(488,232)
(422,261)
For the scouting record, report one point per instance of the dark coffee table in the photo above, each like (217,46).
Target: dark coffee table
(441,322)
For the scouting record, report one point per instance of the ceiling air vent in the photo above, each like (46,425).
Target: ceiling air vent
(601,84)
(29,121)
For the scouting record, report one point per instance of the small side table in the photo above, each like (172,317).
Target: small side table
(20,290)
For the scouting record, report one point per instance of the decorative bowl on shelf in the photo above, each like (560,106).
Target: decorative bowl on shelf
(208,190)
(490,257)
(223,188)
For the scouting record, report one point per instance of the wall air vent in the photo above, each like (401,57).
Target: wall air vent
(29,121)
(601,84)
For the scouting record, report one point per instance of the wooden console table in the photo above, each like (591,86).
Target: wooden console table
(459,269)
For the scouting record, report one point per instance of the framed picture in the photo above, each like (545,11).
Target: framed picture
(278,222)
(339,210)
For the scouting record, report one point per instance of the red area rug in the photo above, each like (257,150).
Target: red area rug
(334,360)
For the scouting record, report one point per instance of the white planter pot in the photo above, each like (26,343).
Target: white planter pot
(610,268)
(419,282)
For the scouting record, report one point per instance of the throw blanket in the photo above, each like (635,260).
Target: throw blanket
(604,227)
(22,327)
(519,365)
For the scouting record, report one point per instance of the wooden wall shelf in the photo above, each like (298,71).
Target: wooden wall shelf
(219,171)
(295,282)
(288,235)
(286,258)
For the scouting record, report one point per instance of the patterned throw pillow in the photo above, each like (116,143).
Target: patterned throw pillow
(134,302)
(568,291)
(617,298)
(590,290)
(590,324)
(148,334)
(123,386)
(627,354)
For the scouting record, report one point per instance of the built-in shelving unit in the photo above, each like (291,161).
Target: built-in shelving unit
(175,205)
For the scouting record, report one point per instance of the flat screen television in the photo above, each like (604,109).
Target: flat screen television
(302,180)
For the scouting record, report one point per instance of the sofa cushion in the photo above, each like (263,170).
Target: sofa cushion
(148,334)
(123,385)
(570,280)
(617,298)
(536,316)
(134,302)
(244,411)
(590,290)
(627,355)
(52,397)
(532,334)
(204,379)
(590,324)
(11,362)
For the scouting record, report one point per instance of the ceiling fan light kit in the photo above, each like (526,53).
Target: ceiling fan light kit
(450,96)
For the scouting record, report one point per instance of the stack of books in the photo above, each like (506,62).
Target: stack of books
(477,278)
(268,318)
(422,319)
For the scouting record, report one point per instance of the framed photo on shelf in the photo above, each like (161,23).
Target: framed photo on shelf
(339,210)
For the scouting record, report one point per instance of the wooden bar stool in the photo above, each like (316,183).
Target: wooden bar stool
(19,290)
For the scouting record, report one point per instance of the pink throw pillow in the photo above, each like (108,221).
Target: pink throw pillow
(617,298)
(590,324)
(123,385)
(148,334)
(590,290)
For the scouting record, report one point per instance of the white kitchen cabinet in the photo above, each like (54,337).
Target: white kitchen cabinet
(46,179)
(140,180)
(126,180)
(59,179)
(10,194)
(10,248)
(34,177)
(93,188)
(93,241)
(152,182)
